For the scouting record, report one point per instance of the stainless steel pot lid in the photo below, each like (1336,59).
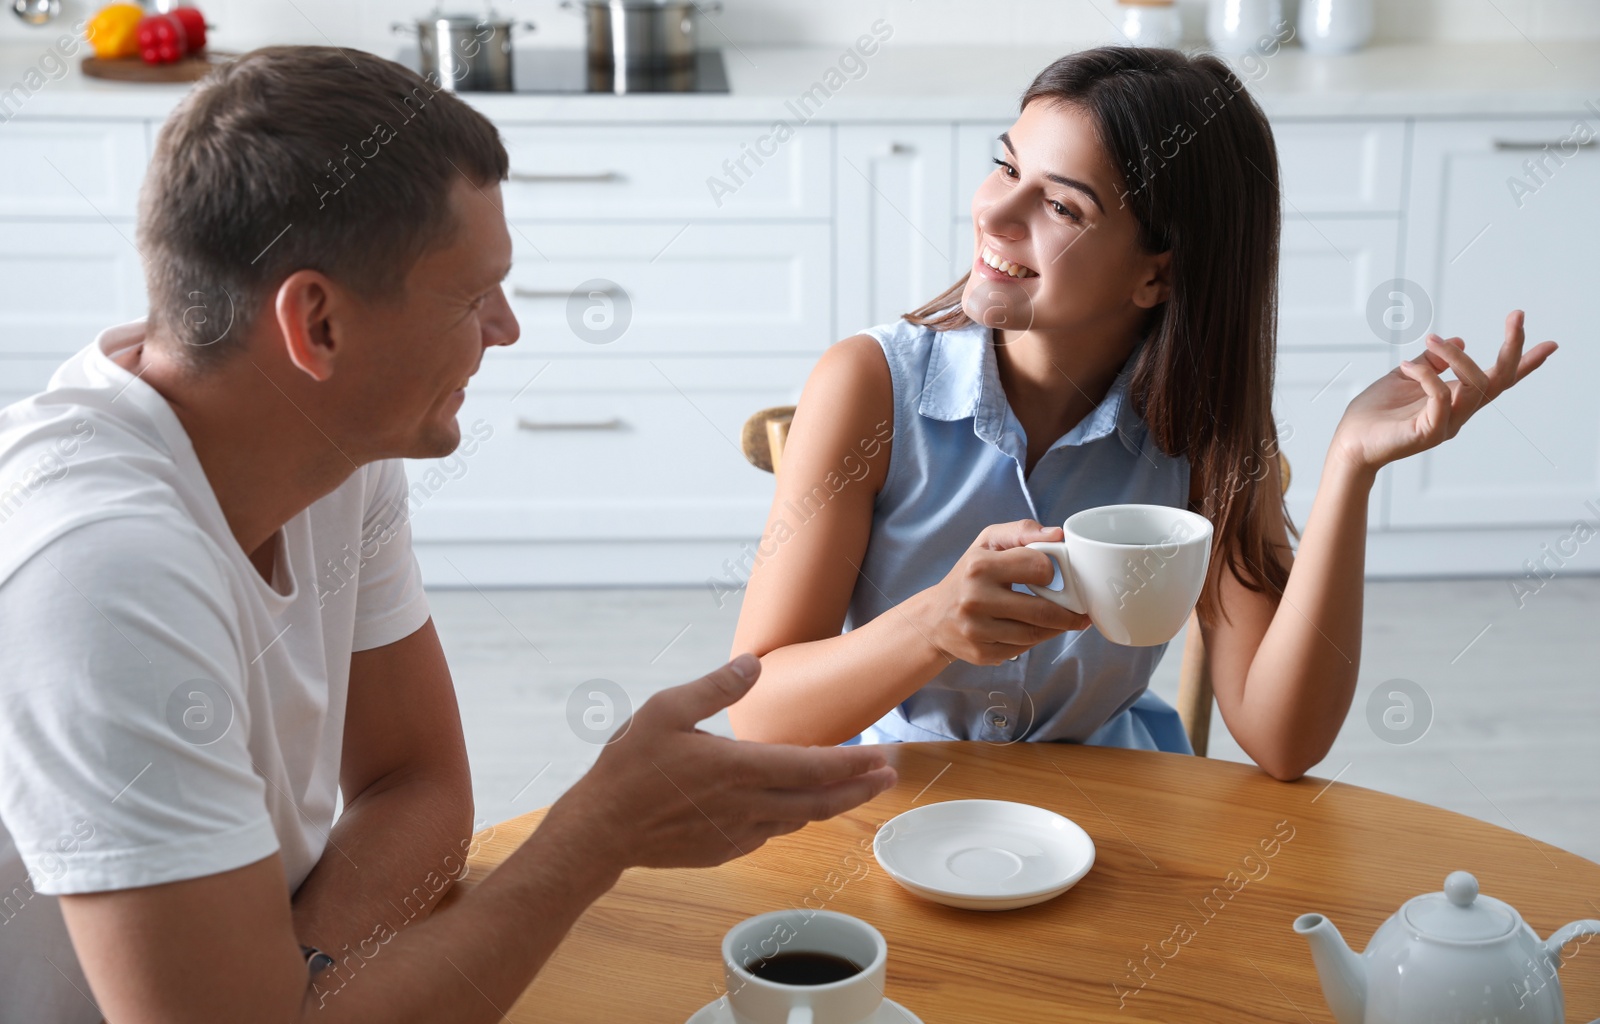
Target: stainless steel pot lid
(463,20)
(637,5)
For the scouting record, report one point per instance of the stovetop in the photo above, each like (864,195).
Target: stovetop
(567,72)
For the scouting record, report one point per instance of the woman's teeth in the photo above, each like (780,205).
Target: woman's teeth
(1006,266)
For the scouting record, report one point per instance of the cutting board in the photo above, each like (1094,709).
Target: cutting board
(133,69)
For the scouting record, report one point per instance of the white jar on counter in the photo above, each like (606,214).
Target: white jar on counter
(1239,26)
(1335,26)
(1149,22)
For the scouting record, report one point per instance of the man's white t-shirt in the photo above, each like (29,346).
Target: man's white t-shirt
(165,712)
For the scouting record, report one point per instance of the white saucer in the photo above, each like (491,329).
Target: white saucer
(718,1012)
(984,854)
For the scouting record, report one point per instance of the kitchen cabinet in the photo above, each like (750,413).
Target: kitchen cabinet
(738,288)
(1309,397)
(659,309)
(893,231)
(632,172)
(74,169)
(602,471)
(977,147)
(590,450)
(64,281)
(598,459)
(1328,268)
(1491,230)
(1340,167)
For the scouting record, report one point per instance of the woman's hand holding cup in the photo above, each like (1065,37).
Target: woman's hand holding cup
(973,615)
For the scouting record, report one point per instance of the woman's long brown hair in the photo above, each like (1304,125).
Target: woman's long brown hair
(1200,173)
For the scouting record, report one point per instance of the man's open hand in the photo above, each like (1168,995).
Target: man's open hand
(666,794)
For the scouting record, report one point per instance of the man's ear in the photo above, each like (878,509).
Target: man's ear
(304,305)
(1156,287)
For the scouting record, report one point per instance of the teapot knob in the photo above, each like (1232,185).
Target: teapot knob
(1461,888)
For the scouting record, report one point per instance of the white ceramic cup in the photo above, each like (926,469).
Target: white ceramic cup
(755,1000)
(1135,570)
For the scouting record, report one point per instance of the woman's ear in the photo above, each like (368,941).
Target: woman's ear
(1156,285)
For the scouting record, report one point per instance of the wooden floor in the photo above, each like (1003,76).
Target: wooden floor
(1510,695)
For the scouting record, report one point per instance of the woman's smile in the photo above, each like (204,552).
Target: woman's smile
(992,265)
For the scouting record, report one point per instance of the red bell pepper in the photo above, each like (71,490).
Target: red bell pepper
(166,38)
(194,27)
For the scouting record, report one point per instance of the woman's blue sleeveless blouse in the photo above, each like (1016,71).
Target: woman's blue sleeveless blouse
(955,467)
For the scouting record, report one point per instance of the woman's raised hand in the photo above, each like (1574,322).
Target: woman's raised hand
(973,615)
(1411,409)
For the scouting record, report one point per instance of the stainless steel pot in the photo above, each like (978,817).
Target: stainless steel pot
(463,52)
(642,35)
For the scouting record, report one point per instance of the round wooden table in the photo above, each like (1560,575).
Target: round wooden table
(1201,867)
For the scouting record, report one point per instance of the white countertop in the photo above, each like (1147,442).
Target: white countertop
(981,83)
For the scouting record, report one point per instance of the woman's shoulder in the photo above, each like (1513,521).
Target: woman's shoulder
(855,375)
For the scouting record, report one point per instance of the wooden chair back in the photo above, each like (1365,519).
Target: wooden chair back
(763,436)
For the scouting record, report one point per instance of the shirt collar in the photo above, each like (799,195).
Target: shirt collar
(963,380)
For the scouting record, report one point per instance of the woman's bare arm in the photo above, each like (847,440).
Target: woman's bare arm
(818,686)
(1284,670)
(1284,666)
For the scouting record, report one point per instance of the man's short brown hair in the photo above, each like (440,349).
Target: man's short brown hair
(299,157)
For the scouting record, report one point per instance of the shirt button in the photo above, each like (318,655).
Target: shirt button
(998,721)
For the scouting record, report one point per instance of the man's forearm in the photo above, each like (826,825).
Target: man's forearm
(471,962)
(393,852)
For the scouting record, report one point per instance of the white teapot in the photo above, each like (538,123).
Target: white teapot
(1453,957)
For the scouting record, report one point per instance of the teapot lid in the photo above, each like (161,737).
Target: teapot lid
(1459,914)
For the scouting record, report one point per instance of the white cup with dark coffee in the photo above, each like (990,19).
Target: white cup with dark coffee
(804,967)
(1135,570)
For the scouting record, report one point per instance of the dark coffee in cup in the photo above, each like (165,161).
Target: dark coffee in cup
(804,968)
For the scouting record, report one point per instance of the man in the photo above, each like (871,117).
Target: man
(181,704)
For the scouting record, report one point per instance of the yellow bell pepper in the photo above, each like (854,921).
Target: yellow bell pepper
(112,32)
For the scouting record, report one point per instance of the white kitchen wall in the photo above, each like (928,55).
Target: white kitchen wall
(242,24)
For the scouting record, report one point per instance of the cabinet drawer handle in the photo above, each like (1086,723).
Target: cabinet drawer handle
(614,423)
(554,293)
(901,149)
(1509,144)
(597,178)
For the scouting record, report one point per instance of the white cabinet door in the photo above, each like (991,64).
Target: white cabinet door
(606,450)
(1311,392)
(893,235)
(977,147)
(667,172)
(1325,167)
(1340,167)
(61,283)
(1490,231)
(89,169)
(1327,270)
(655,289)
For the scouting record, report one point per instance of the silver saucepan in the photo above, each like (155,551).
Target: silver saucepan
(642,35)
(465,52)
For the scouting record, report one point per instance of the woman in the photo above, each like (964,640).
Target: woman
(1113,342)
